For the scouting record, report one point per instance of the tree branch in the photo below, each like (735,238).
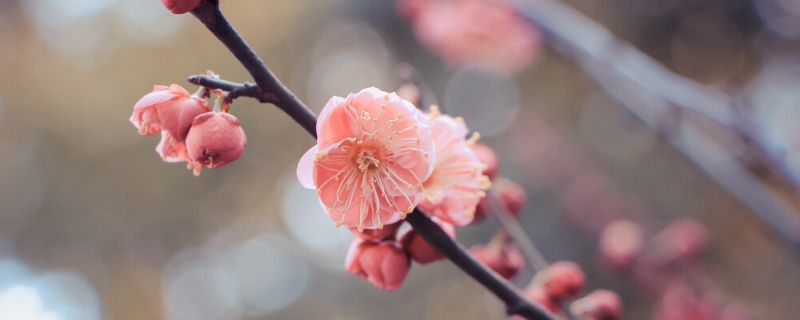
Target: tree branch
(503,289)
(209,14)
(652,93)
(269,86)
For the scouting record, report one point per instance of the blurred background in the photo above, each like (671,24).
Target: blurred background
(93,225)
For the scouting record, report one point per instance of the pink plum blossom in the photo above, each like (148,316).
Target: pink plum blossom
(482,32)
(384,264)
(167,108)
(214,140)
(388,232)
(621,242)
(457,184)
(374,151)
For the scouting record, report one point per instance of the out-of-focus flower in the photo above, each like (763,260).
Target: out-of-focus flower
(621,242)
(488,157)
(374,151)
(536,294)
(419,249)
(457,184)
(410,9)
(481,32)
(214,140)
(679,302)
(561,280)
(388,232)
(181,6)
(168,108)
(500,255)
(681,240)
(384,264)
(600,304)
(171,150)
(510,195)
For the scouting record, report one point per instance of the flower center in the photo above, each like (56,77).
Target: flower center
(367,159)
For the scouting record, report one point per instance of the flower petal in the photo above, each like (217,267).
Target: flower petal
(305,168)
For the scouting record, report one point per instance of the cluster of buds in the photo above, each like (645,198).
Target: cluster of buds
(191,131)
(563,281)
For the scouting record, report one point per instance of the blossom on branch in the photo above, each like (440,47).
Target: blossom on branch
(374,151)
(214,140)
(169,108)
(457,184)
(384,264)
(180,6)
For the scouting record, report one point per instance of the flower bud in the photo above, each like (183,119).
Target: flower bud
(214,140)
(562,280)
(510,195)
(145,116)
(621,242)
(536,294)
(180,6)
(599,305)
(384,264)
(419,249)
(388,232)
(681,240)
(503,257)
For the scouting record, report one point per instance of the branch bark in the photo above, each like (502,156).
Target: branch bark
(270,89)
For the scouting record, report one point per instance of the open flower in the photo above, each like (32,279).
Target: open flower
(457,184)
(384,264)
(373,152)
(215,139)
(167,108)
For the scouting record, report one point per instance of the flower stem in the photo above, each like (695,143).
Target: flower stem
(273,91)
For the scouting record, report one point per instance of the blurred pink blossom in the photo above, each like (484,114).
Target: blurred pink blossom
(180,6)
(475,32)
(600,304)
(561,280)
(501,256)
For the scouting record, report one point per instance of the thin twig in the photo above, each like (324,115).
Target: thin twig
(210,15)
(652,92)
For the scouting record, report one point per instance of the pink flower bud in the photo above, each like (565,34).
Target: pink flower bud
(621,242)
(505,259)
(511,195)
(562,280)
(388,232)
(420,250)
(488,157)
(162,105)
(599,305)
(384,264)
(181,6)
(537,295)
(680,240)
(215,139)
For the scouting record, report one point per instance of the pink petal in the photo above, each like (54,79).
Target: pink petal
(305,168)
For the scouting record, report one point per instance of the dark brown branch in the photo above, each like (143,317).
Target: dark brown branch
(504,290)
(210,15)
(236,89)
